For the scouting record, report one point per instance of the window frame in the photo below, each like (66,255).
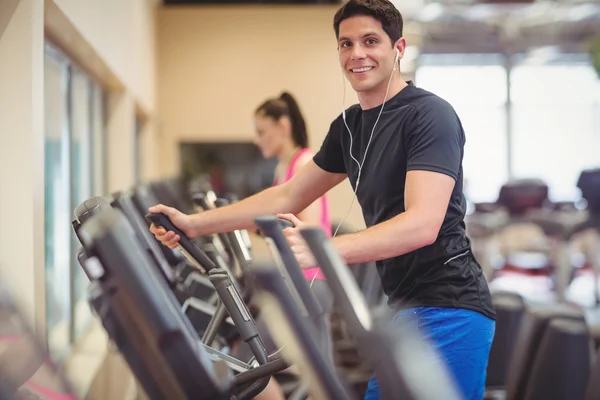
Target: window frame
(97,137)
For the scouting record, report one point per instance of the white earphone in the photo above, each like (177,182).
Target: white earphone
(360,164)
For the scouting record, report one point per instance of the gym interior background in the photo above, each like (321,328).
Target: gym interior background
(98,95)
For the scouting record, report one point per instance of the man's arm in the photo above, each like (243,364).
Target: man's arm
(427,195)
(307,185)
(311,214)
(312,181)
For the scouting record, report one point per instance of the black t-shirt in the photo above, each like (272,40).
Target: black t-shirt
(417,130)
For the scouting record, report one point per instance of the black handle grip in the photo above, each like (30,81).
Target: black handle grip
(196,256)
(271,228)
(285,223)
(306,352)
(345,290)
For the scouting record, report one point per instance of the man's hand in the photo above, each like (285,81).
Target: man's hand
(179,219)
(297,243)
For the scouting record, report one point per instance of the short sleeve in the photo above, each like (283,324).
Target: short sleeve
(330,156)
(436,141)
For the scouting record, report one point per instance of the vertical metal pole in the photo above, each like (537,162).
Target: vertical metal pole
(93,158)
(70,121)
(508,116)
(102,97)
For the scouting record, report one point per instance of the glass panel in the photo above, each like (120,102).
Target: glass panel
(99,141)
(57,205)
(74,171)
(556,124)
(478,94)
(81,184)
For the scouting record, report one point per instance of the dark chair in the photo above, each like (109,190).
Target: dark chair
(589,184)
(528,347)
(509,311)
(562,365)
(593,388)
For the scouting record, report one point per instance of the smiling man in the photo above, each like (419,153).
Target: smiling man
(401,148)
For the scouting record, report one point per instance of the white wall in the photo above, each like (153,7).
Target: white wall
(217,64)
(113,41)
(122,32)
(22,159)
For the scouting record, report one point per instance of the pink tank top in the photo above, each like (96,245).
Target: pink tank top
(310,273)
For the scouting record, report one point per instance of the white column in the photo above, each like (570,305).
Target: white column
(149,157)
(22,266)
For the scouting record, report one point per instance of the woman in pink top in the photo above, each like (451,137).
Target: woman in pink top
(281,133)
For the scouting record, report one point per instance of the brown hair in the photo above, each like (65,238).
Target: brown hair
(382,10)
(286,106)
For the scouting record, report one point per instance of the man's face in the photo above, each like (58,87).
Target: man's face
(366,53)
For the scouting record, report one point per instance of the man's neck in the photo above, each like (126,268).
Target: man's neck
(375,97)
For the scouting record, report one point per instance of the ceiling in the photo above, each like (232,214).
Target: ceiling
(212,2)
(507,27)
(481,26)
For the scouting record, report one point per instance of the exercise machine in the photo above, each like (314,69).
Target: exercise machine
(297,319)
(143,317)
(197,296)
(530,243)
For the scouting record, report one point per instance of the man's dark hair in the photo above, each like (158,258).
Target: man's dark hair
(286,106)
(382,10)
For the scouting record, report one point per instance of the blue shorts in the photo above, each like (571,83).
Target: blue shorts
(463,339)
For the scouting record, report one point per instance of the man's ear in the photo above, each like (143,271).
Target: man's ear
(400,45)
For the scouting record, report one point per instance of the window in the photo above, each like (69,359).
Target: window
(57,202)
(99,140)
(86,155)
(555,122)
(74,171)
(475,85)
(555,117)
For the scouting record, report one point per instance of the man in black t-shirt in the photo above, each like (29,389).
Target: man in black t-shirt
(410,190)
(402,149)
